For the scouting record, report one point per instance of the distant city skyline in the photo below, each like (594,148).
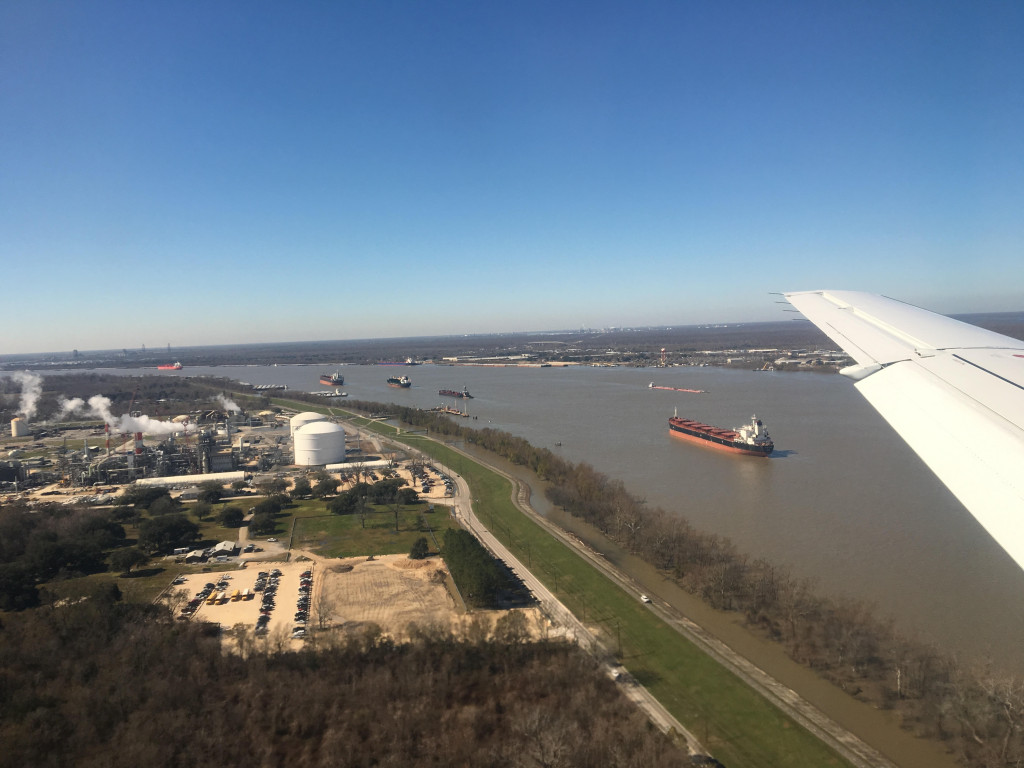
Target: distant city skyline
(241,173)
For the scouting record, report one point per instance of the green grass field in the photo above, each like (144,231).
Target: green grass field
(348,536)
(293,510)
(734,722)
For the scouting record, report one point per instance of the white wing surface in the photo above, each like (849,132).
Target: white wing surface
(953,391)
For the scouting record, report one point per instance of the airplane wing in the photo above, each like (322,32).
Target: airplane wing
(953,391)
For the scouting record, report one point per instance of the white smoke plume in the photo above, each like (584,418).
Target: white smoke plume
(99,406)
(68,407)
(227,404)
(31,391)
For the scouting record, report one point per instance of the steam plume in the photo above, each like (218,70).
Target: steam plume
(227,404)
(31,391)
(99,406)
(68,407)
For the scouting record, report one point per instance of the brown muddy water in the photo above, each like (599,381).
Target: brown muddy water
(878,728)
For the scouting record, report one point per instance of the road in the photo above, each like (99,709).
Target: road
(852,748)
(557,611)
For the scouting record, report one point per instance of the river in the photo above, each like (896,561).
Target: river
(842,500)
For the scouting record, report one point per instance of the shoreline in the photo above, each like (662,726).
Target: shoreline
(876,728)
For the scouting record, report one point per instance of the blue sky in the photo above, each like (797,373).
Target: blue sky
(231,172)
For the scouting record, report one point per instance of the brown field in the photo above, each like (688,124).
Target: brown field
(394,593)
(390,594)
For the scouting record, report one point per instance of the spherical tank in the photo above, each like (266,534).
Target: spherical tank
(301,419)
(319,443)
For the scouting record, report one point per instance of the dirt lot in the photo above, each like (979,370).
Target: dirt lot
(350,595)
(393,592)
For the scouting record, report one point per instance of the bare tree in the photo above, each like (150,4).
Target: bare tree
(244,639)
(324,604)
(174,600)
(1006,694)
(512,628)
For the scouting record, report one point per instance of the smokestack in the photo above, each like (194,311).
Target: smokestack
(106,428)
(138,443)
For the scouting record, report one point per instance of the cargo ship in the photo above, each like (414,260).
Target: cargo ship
(169,367)
(455,393)
(399,381)
(751,439)
(332,379)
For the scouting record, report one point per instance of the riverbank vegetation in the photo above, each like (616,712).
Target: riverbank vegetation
(977,712)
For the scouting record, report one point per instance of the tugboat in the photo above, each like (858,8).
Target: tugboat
(751,439)
(399,381)
(332,379)
(455,393)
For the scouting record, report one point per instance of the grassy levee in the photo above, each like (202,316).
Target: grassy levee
(733,722)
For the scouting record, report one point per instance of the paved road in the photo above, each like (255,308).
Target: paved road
(557,611)
(853,749)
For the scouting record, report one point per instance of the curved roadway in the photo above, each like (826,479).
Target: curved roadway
(853,749)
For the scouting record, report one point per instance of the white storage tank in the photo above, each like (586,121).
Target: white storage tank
(19,427)
(301,419)
(319,443)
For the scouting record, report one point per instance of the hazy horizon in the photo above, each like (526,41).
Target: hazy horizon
(1014,317)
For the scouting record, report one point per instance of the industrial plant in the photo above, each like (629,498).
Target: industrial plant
(85,446)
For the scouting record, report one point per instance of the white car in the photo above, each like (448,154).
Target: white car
(644,599)
(271,538)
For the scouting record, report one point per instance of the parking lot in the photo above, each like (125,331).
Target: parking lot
(267,604)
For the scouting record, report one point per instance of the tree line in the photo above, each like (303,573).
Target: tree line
(478,575)
(52,542)
(977,711)
(104,683)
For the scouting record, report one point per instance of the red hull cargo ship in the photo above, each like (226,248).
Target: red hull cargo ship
(751,439)
(169,367)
